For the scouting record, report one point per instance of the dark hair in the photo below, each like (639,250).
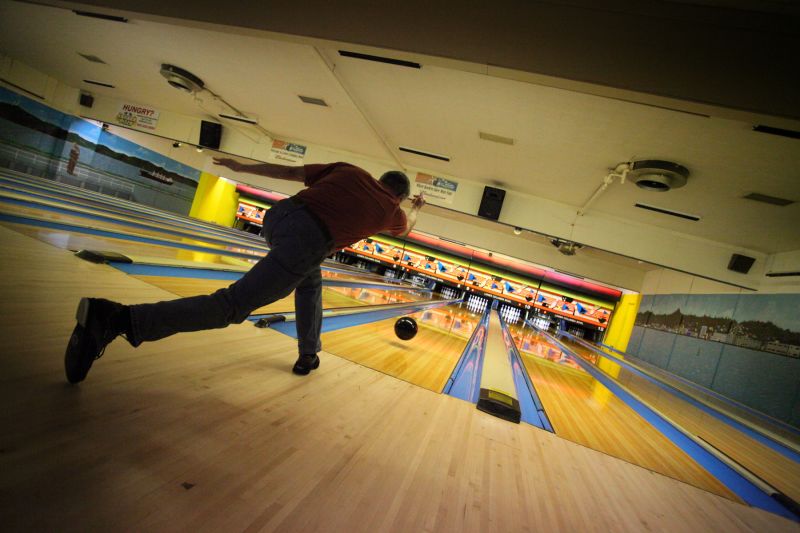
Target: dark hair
(397,182)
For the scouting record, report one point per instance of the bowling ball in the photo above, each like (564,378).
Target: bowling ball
(405,328)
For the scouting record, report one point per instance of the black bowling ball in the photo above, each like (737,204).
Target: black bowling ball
(405,328)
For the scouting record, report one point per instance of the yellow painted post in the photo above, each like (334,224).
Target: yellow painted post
(215,201)
(617,335)
(619,331)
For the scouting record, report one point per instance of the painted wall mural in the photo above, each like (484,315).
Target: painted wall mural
(38,140)
(764,322)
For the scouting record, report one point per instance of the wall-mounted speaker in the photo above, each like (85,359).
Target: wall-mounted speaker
(210,134)
(741,263)
(86,100)
(491,203)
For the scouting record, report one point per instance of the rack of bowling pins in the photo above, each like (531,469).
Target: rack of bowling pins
(477,303)
(449,292)
(510,313)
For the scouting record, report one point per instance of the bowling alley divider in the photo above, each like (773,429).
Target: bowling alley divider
(490,374)
(345,317)
(751,489)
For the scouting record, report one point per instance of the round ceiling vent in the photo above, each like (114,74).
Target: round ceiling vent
(181,79)
(657,175)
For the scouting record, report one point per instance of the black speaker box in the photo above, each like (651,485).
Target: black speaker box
(86,100)
(491,203)
(210,134)
(740,263)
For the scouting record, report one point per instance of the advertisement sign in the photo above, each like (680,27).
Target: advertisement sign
(436,188)
(288,152)
(137,116)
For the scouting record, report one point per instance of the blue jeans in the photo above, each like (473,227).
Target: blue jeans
(298,245)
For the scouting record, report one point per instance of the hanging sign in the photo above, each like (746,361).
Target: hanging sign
(137,116)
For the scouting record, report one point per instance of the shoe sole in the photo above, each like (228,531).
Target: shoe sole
(82,314)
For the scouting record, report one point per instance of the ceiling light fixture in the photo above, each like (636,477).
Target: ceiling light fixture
(199,149)
(517,231)
(182,79)
(566,247)
(185,81)
(657,175)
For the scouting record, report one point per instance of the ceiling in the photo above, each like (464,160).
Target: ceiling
(565,141)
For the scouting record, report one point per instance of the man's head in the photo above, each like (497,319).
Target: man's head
(397,182)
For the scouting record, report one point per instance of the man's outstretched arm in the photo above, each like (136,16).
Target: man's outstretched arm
(270,170)
(411,217)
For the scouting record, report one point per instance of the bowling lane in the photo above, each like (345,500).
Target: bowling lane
(332,297)
(427,360)
(772,426)
(582,410)
(153,232)
(775,468)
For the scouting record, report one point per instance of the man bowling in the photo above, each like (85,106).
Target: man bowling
(340,205)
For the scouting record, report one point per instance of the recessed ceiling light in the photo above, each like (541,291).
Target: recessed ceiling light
(92,58)
(495,138)
(669,212)
(765,198)
(100,83)
(423,154)
(313,101)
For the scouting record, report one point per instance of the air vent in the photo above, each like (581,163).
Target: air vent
(101,16)
(313,101)
(777,131)
(781,274)
(424,154)
(239,118)
(93,59)
(663,211)
(657,175)
(100,83)
(379,59)
(772,200)
(495,138)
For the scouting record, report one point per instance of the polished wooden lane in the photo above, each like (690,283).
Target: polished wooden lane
(427,360)
(582,410)
(771,466)
(766,423)
(210,431)
(332,297)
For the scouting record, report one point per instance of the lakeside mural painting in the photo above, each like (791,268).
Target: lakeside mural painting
(764,322)
(38,140)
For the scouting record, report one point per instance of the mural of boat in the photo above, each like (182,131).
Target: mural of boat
(157,176)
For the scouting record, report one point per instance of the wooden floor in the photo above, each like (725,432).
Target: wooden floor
(210,431)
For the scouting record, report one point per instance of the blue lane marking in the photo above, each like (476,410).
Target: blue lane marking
(104,233)
(724,399)
(750,432)
(530,404)
(138,269)
(356,319)
(465,381)
(729,477)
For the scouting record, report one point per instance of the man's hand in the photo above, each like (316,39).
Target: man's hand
(227,162)
(418,201)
